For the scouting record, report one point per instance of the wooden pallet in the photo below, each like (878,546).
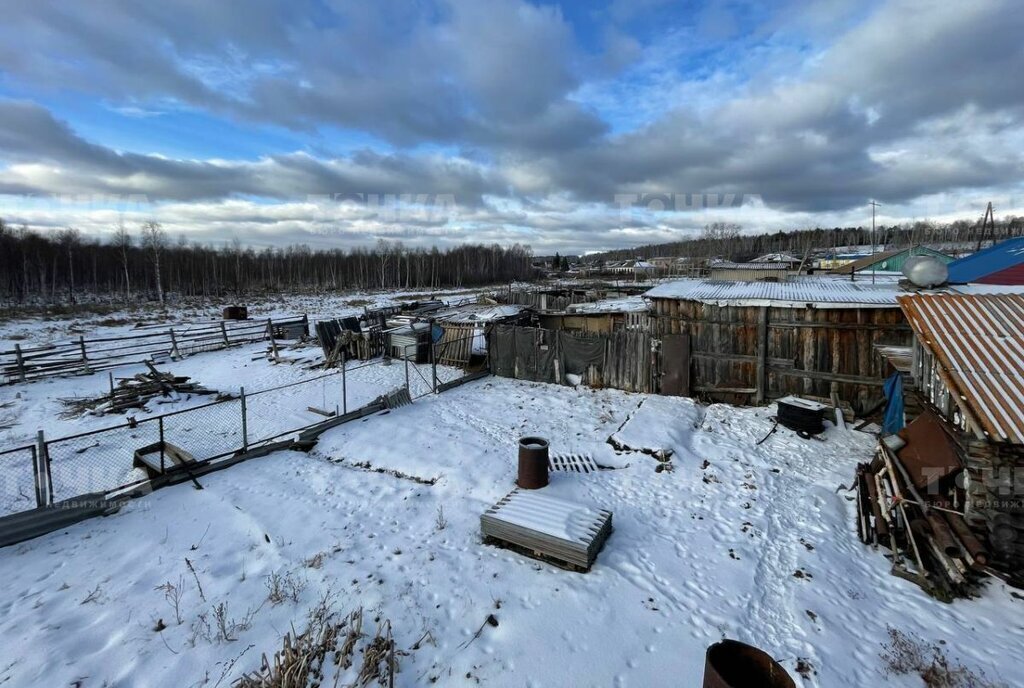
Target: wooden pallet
(548,527)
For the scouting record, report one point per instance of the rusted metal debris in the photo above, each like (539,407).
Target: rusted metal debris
(533,463)
(930,455)
(732,664)
(914,510)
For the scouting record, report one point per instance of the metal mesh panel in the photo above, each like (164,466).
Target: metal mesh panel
(17,482)
(104,460)
(99,461)
(278,412)
(207,431)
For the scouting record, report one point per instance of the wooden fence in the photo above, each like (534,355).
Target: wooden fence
(620,360)
(84,356)
(753,354)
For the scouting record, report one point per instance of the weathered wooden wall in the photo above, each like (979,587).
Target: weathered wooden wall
(758,353)
(625,359)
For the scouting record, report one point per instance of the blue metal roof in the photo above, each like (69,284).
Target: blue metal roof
(993,259)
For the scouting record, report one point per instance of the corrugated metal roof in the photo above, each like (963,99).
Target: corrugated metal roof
(820,292)
(978,342)
(729,265)
(891,261)
(626,304)
(474,313)
(999,258)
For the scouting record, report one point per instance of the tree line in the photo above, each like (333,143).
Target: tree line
(727,240)
(147,265)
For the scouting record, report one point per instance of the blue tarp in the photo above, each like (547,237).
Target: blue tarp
(894,419)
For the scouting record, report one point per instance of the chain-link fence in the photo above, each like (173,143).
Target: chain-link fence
(101,460)
(136,450)
(206,432)
(17,480)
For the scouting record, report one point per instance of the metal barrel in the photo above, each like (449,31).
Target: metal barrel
(732,664)
(533,463)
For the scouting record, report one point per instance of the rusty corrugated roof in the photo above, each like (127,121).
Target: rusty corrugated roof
(978,342)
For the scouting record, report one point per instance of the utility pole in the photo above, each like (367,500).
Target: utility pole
(873,206)
(989,217)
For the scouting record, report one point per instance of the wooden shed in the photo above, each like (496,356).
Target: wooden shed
(967,357)
(630,313)
(750,342)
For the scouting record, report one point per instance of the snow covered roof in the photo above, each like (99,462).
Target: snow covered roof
(820,292)
(986,288)
(477,312)
(627,304)
(769,266)
(978,343)
(776,258)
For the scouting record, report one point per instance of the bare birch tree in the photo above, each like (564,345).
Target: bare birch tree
(123,241)
(154,239)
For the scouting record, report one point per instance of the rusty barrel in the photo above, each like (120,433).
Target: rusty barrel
(533,463)
(732,664)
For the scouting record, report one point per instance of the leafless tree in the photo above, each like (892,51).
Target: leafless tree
(154,240)
(123,242)
(70,239)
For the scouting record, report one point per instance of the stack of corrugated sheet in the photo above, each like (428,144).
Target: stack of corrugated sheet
(550,527)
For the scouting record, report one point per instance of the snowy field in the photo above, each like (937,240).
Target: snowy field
(727,539)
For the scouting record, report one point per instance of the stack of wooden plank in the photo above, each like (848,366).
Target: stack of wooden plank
(136,392)
(547,527)
(915,511)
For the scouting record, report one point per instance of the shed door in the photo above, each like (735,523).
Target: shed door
(675,365)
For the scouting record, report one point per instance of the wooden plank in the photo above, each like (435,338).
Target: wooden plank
(762,355)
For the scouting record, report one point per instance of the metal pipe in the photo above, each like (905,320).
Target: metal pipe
(245,423)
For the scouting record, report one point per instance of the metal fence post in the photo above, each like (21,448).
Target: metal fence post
(406,357)
(344,388)
(41,469)
(161,424)
(433,365)
(245,422)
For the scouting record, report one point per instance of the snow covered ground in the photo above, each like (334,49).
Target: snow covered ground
(727,539)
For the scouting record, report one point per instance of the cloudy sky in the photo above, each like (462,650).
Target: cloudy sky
(566,126)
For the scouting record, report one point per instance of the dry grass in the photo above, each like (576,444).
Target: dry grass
(328,639)
(909,654)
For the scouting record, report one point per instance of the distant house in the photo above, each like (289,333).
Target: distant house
(831,261)
(636,268)
(786,258)
(999,264)
(750,272)
(889,261)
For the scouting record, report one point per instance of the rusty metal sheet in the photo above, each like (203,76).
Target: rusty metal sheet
(930,453)
(978,343)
